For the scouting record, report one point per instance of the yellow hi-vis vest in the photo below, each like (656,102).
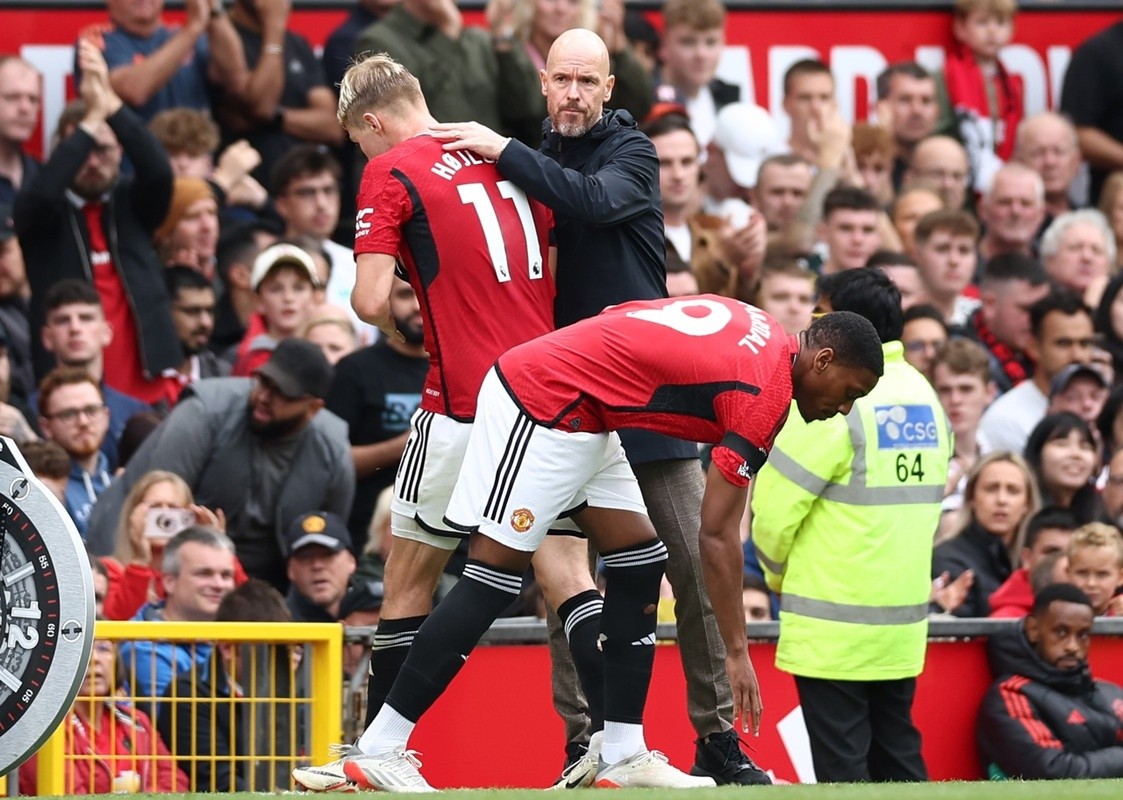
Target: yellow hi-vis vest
(844,515)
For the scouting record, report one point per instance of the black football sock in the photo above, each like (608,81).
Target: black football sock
(631,598)
(391,645)
(580,615)
(448,636)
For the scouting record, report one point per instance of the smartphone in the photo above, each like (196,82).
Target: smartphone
(163,523)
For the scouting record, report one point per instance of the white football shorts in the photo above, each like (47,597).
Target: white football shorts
(518,477)
(426,474)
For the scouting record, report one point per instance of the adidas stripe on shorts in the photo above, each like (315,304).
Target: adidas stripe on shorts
(518,477)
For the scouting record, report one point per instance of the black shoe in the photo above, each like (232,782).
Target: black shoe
(720,757)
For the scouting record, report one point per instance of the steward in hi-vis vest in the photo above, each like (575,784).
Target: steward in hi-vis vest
(844,516)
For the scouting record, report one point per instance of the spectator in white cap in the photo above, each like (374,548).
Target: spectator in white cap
(284,280)
(705,253)
(744,136)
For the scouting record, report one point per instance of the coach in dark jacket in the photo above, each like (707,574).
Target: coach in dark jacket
(1045,716)
(600,177)
(81,177)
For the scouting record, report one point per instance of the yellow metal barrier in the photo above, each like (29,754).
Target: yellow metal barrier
(283,707)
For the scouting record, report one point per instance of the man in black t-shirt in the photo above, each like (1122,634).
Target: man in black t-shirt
(286,98)
(375,391)
(1093,99)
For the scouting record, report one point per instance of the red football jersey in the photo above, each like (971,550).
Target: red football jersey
(474,248)
(705,369)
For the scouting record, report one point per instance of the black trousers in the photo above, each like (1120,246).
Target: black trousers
(862,730)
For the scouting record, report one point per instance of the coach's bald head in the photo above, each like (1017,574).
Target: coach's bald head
(576,82)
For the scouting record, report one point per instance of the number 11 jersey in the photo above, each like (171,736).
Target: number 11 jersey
(474,247)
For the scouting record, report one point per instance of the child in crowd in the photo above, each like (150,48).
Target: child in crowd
(285,281)
(1095,566)
(984,102)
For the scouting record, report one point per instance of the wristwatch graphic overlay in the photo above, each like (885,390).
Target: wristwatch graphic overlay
(46,610)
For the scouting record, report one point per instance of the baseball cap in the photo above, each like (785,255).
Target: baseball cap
(282,253)
(747,135)
(1063,378)
(298,368)
(320,527)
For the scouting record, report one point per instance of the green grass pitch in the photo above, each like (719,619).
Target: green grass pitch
(1034,790)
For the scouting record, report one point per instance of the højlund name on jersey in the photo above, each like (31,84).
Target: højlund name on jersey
(906,426)
(452,163)
(759,332)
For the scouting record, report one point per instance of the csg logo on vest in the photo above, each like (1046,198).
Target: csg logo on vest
(906,426)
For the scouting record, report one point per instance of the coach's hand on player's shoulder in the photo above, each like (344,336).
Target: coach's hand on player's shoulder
(473,136)
(747,706)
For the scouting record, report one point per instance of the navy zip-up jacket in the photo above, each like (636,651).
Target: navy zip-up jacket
(603,188)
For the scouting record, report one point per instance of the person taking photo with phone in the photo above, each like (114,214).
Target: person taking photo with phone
(135,569)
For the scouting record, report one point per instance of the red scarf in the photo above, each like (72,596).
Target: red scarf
(1014,366)
(967,91)
(123,368)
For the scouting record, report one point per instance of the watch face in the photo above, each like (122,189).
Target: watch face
(46,611)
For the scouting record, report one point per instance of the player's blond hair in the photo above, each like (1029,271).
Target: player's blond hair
(375,81)
(1097,534)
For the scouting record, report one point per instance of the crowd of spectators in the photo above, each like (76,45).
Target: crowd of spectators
(176,331)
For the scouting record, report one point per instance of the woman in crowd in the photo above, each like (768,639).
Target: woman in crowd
(136,571)
(1000,495)
(111,746)
(1063,453)
(1078,251)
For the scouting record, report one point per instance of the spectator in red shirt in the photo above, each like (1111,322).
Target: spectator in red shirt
(1048,531)
(111,746)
